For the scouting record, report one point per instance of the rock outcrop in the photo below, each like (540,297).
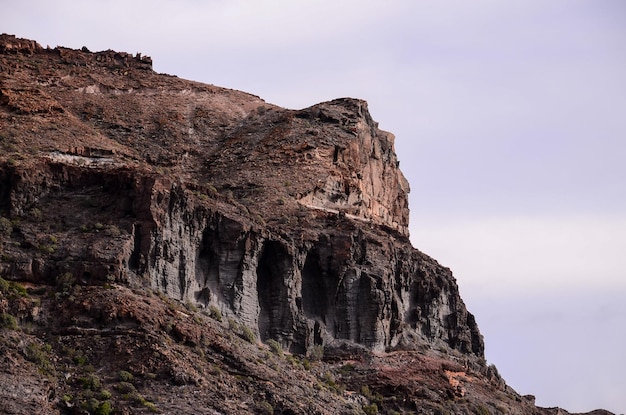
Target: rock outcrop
(325,257)
(292,224)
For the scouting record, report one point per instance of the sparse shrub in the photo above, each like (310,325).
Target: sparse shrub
(7,321)
(12,289)
(292,360)
(94,406)
(4,286)
(242,330)
(125,376)
(317,352)
(215,313)
(80,359)
(112,231)
(371,409)
(328,378)
(275,347)
(139,399)
(372,397)
(91,382)
(248,334)
(151,406)
(104,394)
(330,381)
(39,355)
(90,405)
(104,408)
(47,249)
(125,387)
(481,410)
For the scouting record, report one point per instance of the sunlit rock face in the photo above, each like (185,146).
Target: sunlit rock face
(363,180)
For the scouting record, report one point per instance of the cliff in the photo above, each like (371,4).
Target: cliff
(140,212)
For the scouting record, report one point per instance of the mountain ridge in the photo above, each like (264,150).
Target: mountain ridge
(242,226)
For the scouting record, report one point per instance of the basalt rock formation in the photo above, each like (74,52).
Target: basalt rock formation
(140,211)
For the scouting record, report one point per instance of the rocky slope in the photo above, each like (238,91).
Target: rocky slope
(173,246)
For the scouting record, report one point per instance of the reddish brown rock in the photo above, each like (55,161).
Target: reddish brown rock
(163,227)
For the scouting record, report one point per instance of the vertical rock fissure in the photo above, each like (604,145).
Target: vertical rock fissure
(182,274)
(320,291)
(134,260)
(314,290)
(273,270)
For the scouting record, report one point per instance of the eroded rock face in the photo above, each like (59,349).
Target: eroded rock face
(293,222)
(116,183)
(363,180)
(347,281)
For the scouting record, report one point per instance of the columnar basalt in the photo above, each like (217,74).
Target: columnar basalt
(294,222)
(130,200)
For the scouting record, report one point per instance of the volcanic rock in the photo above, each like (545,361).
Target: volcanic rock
(154,228)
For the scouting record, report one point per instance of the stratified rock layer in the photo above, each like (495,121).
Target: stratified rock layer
(294,222)
(248,221)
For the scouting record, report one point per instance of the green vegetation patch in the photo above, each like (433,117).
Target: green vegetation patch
(12,289)
(7,321)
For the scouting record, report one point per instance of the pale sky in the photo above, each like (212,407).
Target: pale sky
(510,125)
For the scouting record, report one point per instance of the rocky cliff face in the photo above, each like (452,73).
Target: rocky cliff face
(293,224)
(324,257)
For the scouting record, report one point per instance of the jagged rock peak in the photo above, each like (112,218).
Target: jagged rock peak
(82,57)
(363,179)
(12,44)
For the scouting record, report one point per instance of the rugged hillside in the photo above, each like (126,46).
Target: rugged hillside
(173,246)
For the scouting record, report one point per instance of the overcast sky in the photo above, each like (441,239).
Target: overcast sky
(510,124)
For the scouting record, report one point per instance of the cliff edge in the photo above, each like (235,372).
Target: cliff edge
(140,212)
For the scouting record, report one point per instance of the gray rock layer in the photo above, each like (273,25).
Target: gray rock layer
(345,281)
